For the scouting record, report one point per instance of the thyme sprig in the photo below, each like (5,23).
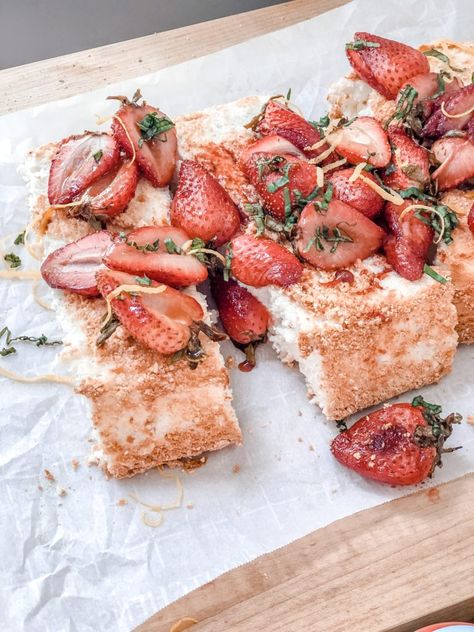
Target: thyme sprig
(39,341)
(334,236)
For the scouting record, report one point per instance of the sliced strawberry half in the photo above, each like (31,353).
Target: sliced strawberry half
(73,267)
(431,104)
(403,260)
(159,321)
(244,318)
(426,85)
(280,120)
(156,156)
(110,195)
(357,194)
(149,256)
(456,156)
(410,162)
(455,104)
(337,237)
(201,207)
(78,162)
(364,140)
(279,179)
(274,145)
(383,63)
(260,261)
(415,233)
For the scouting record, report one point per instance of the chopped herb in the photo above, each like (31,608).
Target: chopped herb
(145,247)
(321,124)
(144,280)
(171,247)
(430,409)
(287,201)
(258,214)
(432,52)
(288,94)
(20,239)
(98,155)
(41,341)
(107,330)
(323,234)
(269,165)
(404,105)
(341,425)
(414,192)
(13,260)
(359,44)
(472,78)
(322,206)
(441,84)
(153,125)
(228,261)
(442,220)
(196,245)
(281,181)
(433,274)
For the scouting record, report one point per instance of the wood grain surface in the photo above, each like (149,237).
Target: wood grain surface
(389,569)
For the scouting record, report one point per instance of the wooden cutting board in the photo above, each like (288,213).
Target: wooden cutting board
(389,569)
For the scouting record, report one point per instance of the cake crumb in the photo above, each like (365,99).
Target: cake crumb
(311,447)
(49,476)
(190,506)
(470,419)
(61,491)
(122,502)
(300,440)
(75,464)
(236,468)
(300,414)
(229,362)
(40,488)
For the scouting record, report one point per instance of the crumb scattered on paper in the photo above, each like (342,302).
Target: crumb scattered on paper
(75,464)
(61,491)
(49,476)
(190,506)
(236,468)
(122,502)
(230,362)
(470,419)
(311,447)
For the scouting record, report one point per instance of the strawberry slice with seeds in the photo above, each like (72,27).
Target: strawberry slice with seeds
(201,206)
(280,120)
(153,137)
(403,260)
(455,104)
(274,145)
(425,84)
(73,267)
(410,162)
(260,261)
(336,237)
(364,140)
(383,63)
(161,321)
(244,318)
(456,156)
(399,444)
(110,195)
(144,252)
(357,194)
(280,180)
(78,162)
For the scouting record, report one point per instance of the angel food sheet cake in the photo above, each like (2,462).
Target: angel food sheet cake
(346,242)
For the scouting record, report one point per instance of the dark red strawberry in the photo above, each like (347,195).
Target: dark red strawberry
(455,104)
(415,233)
(110,195)
(335,238)
(274,145)
(456,156)
(78,162)
(155,150)
(410,162)
(201,207)
(431,104)
(261,261)
(364,140)
(279,119)
(383,63)
(73,267)
(144,252)
(399,444)
(357,194)
(244,318)
(403,260)
(470,219)
(159,321)
(277,177)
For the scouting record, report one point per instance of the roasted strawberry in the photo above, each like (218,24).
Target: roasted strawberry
(153,136)
(425,84)
(201,207)
(364,140)
(399,444)
(402,258)
(279,179)
(279,119)
(456,156)
(357,194)
(110,195)
(244,318)
(159,321)
(73,267)
(470,219)
(336,237)
(460,107)
(152,251)
(410,162)
(274,145)
(261,261)
(431,104)
(78,162)
(383,63)
(405,225)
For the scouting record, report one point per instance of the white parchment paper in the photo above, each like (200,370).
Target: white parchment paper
(83,562)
